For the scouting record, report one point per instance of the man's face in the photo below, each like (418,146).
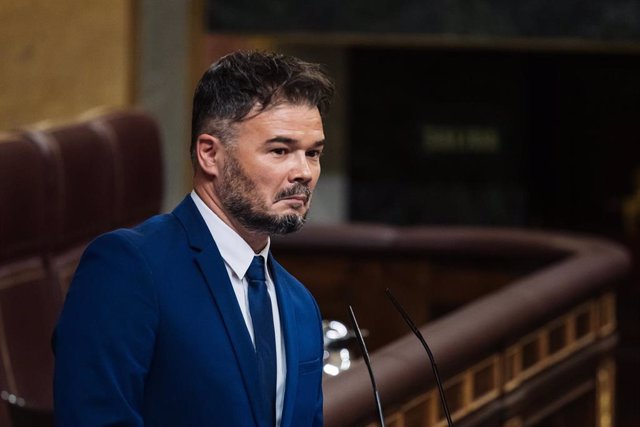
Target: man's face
(271,169)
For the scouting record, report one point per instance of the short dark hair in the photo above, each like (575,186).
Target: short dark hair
(240,81)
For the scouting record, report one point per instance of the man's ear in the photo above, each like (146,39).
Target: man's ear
(208,153)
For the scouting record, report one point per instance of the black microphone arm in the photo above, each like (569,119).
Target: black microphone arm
(365,355)
(417,333)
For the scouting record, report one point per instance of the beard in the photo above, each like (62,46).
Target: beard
(238,195)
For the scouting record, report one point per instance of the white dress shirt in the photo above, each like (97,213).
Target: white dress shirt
(237,256)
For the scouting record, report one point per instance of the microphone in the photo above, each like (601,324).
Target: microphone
(365,355)
(417,333)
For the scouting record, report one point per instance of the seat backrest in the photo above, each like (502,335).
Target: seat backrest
(60,187)
(135,140)
(83,175)
(29,296)
(25,198)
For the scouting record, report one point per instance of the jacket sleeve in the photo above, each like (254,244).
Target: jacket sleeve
(105,337)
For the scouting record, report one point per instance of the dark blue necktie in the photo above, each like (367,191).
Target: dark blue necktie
(263,334)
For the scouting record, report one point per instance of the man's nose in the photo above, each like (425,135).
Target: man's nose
(300,169)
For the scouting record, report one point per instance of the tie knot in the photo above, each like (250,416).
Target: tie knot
(256,270)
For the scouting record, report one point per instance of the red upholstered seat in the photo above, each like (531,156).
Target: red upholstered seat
(24,198)
(59,188)
(29,293)
(135,141)
(83,174)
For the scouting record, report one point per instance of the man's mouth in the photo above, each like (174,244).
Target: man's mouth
(297,193)
(301,198)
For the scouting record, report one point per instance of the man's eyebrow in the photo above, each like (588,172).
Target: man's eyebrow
(283,139)
(287,140)
(319,143)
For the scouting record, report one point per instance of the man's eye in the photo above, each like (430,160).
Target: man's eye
(314,153)
(279,151)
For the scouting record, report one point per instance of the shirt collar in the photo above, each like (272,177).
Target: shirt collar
(235,251)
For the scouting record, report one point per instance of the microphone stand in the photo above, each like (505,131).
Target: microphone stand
(417,333)
(365,355)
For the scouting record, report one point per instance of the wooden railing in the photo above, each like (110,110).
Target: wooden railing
(536,347)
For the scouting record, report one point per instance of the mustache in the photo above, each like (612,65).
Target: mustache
(297,189)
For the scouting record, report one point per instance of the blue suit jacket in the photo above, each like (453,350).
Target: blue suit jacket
(151,334)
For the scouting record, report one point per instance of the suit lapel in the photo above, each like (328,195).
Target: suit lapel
(290,334)
(215,274)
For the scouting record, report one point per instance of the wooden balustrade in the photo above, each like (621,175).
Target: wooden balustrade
(528,339)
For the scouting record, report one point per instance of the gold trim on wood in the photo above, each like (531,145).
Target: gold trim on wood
(607,314)
(422,406)
(513,362)
(585,323)
(544,347)
(605,393)
(580,329)
(396,420)
(514,422)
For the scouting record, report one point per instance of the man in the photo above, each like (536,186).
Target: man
(186,319)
